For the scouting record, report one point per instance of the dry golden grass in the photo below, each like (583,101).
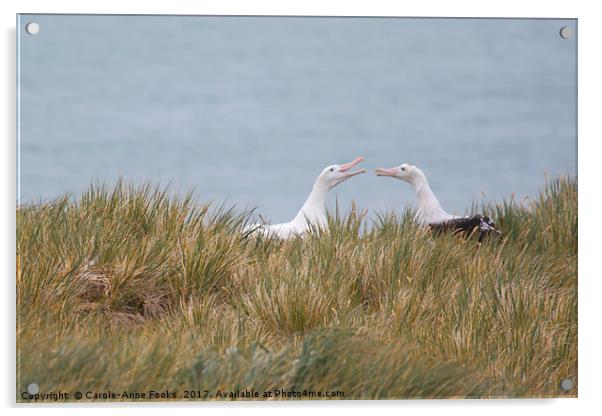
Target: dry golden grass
(131,289)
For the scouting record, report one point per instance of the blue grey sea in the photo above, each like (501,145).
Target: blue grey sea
(248,110)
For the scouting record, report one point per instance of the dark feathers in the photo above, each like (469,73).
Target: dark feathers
(484,226)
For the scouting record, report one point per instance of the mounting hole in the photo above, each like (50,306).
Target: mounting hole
(566,384)
(566,32)
(33,388)
(32,28)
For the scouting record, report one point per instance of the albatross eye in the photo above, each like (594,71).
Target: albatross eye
(332,169)
(403,169)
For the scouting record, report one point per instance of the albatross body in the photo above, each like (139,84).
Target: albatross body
(430,213)
(313,212)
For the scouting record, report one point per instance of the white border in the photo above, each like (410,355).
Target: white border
(589,151)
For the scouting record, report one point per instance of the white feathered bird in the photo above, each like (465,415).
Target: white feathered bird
(430,213)
(313,212)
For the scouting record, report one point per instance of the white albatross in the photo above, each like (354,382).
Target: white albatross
(430,213)
(313,212)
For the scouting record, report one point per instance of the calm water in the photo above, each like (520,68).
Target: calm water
(249,110)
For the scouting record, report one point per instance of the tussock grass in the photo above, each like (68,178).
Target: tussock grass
(133,289)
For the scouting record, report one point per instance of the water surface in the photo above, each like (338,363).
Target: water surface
(248,110)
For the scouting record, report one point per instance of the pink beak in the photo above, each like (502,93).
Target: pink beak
(346,166)
(387,172)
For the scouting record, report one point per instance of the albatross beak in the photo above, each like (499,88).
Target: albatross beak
(345,167)
(386,172)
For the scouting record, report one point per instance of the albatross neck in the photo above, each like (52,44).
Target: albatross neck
(429,208)
(314,208)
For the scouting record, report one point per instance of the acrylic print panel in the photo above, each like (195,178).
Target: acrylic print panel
(194,221)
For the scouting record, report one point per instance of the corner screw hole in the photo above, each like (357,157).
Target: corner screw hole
(32,28)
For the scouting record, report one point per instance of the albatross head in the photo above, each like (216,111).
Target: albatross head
(405,172)
(333,175)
